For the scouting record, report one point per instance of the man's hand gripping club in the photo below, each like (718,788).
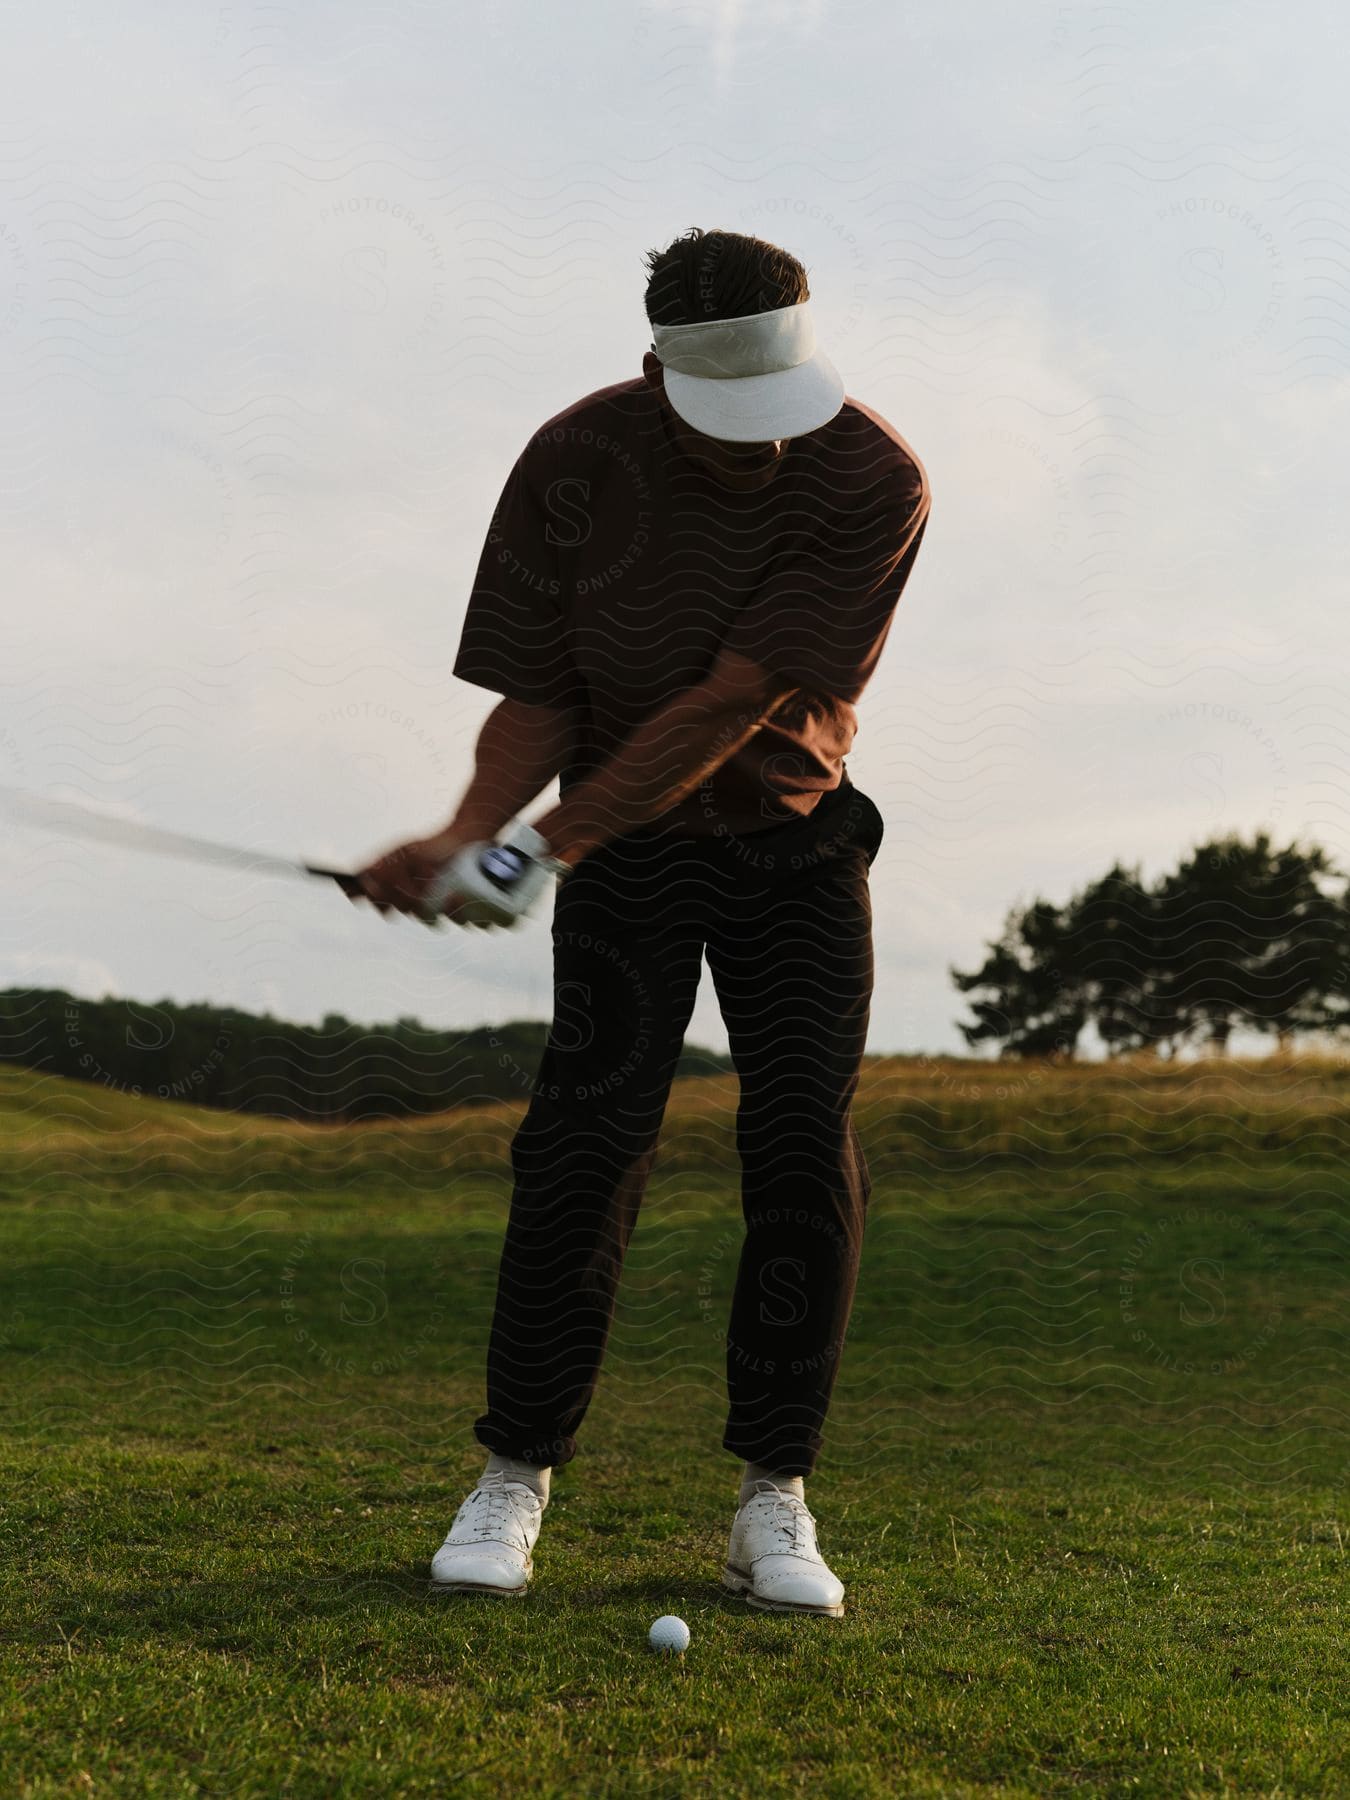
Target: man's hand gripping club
(483,884)
(491,885)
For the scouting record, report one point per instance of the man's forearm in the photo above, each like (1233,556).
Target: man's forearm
(519,751)
(656,767)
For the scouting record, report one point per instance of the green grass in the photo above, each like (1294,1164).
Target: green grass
(922,1118)
(1084,1481)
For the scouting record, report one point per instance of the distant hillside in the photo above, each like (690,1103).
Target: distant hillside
(33,1103)
(922,1120)
(337,1072)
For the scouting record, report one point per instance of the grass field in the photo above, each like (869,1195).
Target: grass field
(1085,1481)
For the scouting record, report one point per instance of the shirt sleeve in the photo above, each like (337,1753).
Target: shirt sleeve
(516,638)
(822,615)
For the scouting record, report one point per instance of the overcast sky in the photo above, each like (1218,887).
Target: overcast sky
(284,290)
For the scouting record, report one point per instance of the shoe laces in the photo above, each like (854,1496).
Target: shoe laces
(497,1510)
(792,1519)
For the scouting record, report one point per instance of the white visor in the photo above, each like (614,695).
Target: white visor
(752,379)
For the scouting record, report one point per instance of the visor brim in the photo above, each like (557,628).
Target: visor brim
(755,409)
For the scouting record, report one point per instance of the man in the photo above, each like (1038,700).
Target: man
(686,586)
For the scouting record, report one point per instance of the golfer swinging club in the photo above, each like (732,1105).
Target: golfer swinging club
(686,586)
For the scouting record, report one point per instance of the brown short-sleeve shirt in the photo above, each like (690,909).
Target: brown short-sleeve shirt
(615,569)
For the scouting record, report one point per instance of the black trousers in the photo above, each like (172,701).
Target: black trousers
(784,917)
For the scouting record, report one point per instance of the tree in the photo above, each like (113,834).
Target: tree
(1239,934)
(1248,937)
(1110,949)
(1031,1009)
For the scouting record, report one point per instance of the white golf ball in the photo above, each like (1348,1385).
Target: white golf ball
(669,1634)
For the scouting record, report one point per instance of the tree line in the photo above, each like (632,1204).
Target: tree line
(335,1072)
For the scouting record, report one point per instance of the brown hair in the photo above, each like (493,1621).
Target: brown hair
(708,275)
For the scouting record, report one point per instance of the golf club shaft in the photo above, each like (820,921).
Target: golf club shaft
(83,821)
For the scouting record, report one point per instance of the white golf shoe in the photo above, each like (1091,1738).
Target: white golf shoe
(773,1559)
(488,1547)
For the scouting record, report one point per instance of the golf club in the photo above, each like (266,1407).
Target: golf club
(84,821)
